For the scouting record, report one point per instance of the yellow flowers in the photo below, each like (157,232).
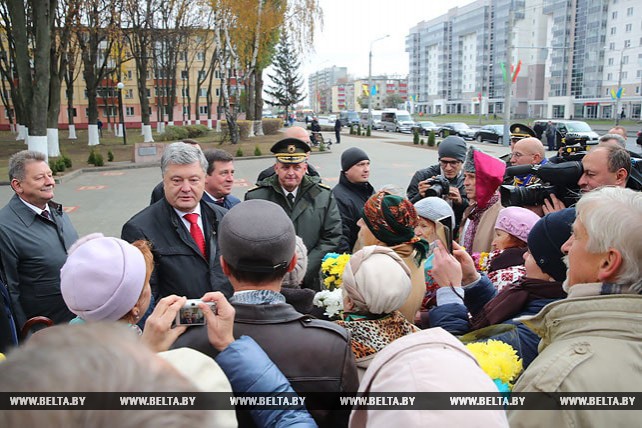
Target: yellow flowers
(498,360)
(332,268)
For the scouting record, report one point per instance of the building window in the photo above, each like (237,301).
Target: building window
(129,94)
(614,15)
(625,59)
(200,56)
(129,111)
(629,12)
(202,109)
(627,43)
(184,92)
(201,75)
(610,61)
(612,46)
(128,75)
(609,76)
(628,28)
(185,110)
(625,75)
(184,74)
(218,92)
(613,30)
(149,92)
(202,92)
(182,56)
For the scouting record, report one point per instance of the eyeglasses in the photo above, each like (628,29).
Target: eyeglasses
(518,155)
(445,163)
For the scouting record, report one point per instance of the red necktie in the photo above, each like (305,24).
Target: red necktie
(196,231)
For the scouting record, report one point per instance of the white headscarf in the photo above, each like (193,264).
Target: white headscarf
(377,280)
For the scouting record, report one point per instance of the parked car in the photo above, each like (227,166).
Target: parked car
(577,127)
(376,118)
(494,133)
(325,120)
(349,118)
(456,128)
(425,127)
(393,120)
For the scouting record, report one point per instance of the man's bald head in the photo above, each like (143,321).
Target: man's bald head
(619,130)
(298,133)
(528,151)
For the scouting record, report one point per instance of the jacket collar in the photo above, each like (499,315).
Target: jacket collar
(363,189)
(265,314)
(210,226)
(613,316)
(27,216)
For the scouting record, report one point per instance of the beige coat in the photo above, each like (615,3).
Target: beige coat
(431,360)
(417,280)
(589,344)
(485,232)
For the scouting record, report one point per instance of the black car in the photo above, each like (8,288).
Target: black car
(456,128)
(425,127)
(493,133)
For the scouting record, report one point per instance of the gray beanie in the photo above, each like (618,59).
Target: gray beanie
(452,147)
(433,208)
(295,278)
(351,157)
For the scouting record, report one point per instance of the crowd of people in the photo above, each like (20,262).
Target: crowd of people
(443,260)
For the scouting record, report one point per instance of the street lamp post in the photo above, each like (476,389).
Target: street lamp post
(120,87)
(370,80)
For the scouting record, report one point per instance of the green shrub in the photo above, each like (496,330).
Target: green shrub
(174,133)
(368,132)
(415,137)
(67,161)
(244,128)
(194,131)
(60,165)
(53,166)
(257,151)
(239,153)
(322,147)
(110,156)
(99,160)
(431,139)
(351,129)
(422,142)
(358,129)
(272,126)
(91,160)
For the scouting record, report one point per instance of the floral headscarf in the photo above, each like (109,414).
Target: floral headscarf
(392,220)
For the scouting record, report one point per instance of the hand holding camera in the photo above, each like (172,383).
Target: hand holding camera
(158,333)
(220,323)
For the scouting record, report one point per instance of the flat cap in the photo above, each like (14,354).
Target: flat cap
(257,236)
(290,150)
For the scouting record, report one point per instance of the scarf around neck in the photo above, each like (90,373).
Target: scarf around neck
(475,216)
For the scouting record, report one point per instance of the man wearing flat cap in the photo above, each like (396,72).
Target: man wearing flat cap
(257,242)
(451,152)
(351,193)
(309,204)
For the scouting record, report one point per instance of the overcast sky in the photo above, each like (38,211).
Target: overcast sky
(351,25)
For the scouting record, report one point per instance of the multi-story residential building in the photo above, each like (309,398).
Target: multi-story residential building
(574,55)
(320,87)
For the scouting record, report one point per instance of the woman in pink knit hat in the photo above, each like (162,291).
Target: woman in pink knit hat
(505,263)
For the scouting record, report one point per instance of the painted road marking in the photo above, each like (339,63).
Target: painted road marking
(98,187)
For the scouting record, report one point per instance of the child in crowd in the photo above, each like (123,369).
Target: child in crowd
(505,263)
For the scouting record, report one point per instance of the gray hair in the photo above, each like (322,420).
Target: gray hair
(104,358)
(617,137)
(182,154)
(612,217)
(17,162)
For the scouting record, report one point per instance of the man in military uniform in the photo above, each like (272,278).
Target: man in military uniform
(309,204)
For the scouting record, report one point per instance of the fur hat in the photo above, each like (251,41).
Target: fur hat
(102,278)
(546,239)
(516,221)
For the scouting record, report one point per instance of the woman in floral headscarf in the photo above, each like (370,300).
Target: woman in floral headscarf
(390,221)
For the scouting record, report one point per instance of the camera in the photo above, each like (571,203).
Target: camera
(192,314)
(439,186)
(525,196)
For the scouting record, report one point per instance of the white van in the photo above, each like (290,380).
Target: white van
(376,118)
(393,120)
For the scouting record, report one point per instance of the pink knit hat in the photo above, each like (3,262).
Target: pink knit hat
(516,221)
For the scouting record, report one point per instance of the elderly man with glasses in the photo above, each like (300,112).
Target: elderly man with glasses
(527,151)
(451,152)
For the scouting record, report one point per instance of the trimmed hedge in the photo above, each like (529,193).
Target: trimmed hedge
(174,133)
(272,126)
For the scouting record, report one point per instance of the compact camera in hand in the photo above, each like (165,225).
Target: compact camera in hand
(192,314)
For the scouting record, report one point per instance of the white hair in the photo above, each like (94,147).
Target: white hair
(612,217)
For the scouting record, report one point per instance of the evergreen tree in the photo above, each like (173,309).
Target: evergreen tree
(286,89)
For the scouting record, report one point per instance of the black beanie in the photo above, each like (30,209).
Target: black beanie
(452,147)
(352,156)
(545,242)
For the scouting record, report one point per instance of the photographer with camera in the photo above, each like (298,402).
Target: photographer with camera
(444,180)
(605,165)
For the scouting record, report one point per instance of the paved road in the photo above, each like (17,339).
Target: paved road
(104,201)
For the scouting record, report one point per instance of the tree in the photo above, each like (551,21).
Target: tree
(287,88)
(392,100)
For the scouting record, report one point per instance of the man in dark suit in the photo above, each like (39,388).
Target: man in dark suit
(182,229)
(35,235)
(220,179)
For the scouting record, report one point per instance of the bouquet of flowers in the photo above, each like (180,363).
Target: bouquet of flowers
(498,360)
(332,266)
(482,261)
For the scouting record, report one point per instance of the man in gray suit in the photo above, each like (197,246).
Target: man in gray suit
(35,235)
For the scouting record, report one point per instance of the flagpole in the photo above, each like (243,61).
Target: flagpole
(370,80)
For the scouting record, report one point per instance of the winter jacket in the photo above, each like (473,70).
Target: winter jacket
(589,344)
(315,216)
(451,314)
(250,370)
(412,193)
(350,198)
